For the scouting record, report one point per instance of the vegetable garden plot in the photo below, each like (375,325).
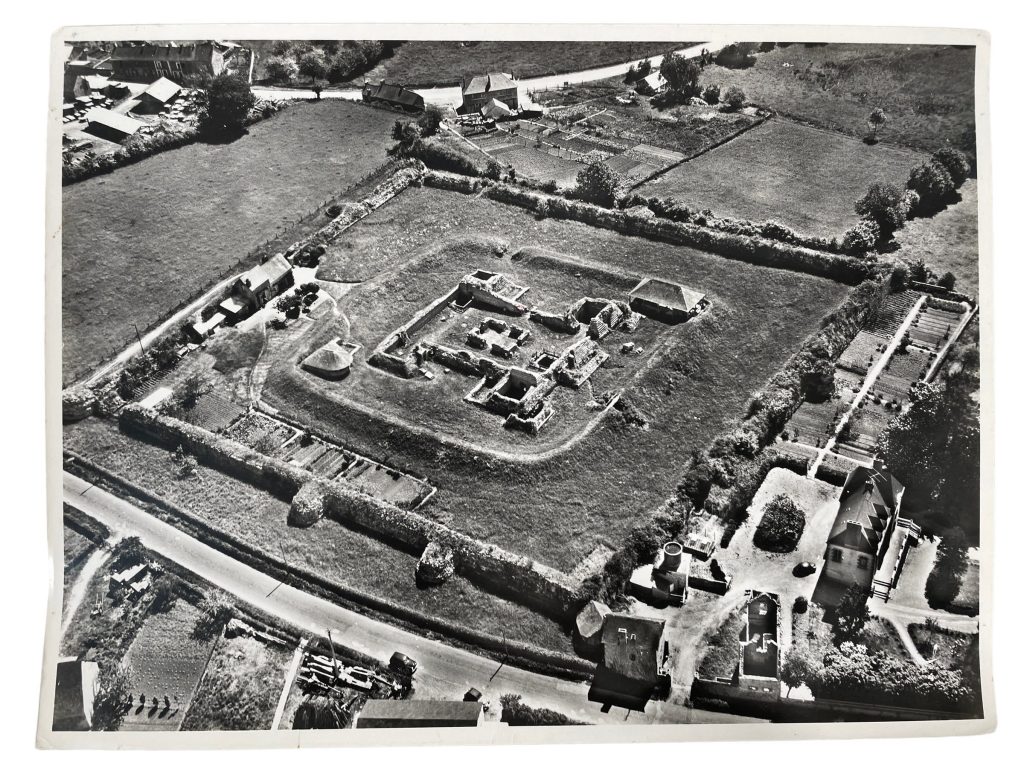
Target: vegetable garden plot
(862,353)
(892,313)
(255,429)
(933,327)
(213,412)
(813,423)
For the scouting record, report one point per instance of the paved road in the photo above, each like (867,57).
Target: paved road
(445,672)
(452,96)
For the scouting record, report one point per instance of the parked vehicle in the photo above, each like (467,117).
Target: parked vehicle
(805,569)
(402,664)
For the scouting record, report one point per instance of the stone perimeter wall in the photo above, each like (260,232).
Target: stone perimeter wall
(537,586)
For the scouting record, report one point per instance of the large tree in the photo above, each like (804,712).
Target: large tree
(227,104)
(598,184)
(681,74)
(882,203)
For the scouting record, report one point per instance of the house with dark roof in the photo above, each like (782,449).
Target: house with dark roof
(666,301)
(419,713)
(264,282)
(482,89)
(188,63)
(863,531)
(395,96)
(633,668)
(759,665)
(157,96)
(75,694)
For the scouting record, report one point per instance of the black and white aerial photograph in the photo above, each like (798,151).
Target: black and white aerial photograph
(490,384)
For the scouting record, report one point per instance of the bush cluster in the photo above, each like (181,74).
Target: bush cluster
(781,526)
(334,61)
(515,712)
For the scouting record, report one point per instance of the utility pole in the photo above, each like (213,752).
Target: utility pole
(334,660)
(139,337)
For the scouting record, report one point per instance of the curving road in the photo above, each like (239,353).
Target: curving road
(445,672)
(452,95)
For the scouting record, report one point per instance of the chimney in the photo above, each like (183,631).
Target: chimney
(879,464)
(672,556)
(868,487)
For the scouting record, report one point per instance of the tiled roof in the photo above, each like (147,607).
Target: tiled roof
(667,294)
(868,500)
(395,94)
(492,81)
(162,90)
(631,645)
(108,119)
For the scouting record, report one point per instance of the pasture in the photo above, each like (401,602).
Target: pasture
(804,177)
(446,62)
(129,237)
(927,91)
(564,502)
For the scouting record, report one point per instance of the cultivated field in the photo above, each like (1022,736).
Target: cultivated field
(165,663)
(241,687)
(926,91)
(130,236)
(446,62)
(329,549)
(563,504)
(804,177)
(948,241)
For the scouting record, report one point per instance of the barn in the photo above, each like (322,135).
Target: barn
(111,126)
(157,97)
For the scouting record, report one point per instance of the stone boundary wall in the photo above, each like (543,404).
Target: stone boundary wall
(527,655)
(540,587)
(939,292)
(453,182)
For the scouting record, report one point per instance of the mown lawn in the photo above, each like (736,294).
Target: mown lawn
(948,241)
(556,509)
(807,178)
(335,552)
(139,241)
(446,62)
(241,687)
(927,91)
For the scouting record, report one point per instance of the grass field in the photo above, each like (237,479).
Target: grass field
(165,663)
(927,92)
(446,62)
(333,551)
(805,177)
(131,237)
(560,506)
(241,687)
(948,241)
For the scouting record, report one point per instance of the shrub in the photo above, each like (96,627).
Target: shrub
(711,94)
(781,526)
(734,97)
(800,604)
(307,506)
(226,105)
(882,203)
(861,238)
(933,183)
(956,163)
(597,184)
(515,712)
(948,281)
(280,69)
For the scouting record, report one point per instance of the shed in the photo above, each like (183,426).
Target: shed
(419,713)
(157,96)
(666,301)
(111,126)
(75,694)
(495,110)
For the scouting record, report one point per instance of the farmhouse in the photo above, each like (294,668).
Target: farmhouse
(759,645)
(663,582)
(264,282)
(182,63)
(634,664)
(419,713)
(331,361)
(157,97)
(666,301)
(868,540)
(494,86)
(75,694)
(395,96)
(132,581)
(111,126)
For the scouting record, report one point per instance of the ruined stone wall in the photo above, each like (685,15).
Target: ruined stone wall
(545,589)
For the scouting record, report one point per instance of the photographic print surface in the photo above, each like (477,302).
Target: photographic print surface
(474,385)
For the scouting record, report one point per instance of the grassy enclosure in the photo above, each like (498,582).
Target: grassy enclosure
(129,236)
(804,177)
(562,504)
(241,687)
(927,91)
